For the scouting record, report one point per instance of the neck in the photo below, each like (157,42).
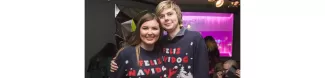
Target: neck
(173,33)
(147,47)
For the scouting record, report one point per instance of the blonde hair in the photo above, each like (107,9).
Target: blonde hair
(170,4)
(231,62)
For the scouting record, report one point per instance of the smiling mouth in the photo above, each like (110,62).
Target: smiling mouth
(167,24)
(149,38)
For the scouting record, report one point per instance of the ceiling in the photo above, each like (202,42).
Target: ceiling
(179,1)
(192,1)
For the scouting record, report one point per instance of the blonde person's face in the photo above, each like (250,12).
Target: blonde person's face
(168,19)
(149,32)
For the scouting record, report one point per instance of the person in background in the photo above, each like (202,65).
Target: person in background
(228,66)
(143,58)
(213,53)
(218,70)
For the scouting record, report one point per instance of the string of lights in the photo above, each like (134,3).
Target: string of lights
(228,3)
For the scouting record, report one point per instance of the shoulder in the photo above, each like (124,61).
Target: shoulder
(164,39)
(196,36)
(193,33)
(125,51)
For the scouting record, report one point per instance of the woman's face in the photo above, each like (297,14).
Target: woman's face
(150,32)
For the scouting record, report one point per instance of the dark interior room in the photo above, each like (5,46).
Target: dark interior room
(101,28)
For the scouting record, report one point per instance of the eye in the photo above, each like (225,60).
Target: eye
(161,16)
(169,14)
(155,28)
(145,28)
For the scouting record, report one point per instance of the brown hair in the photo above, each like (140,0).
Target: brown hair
(170,4)
(211,43)
(212,46)
(135,39)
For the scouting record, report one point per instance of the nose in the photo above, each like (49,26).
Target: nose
(150,32)
(166,18)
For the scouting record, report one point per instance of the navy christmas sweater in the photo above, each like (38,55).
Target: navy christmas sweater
(186,56)
(150,64)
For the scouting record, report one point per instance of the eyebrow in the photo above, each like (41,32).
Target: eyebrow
(153,26)
(168,12)
(156,26)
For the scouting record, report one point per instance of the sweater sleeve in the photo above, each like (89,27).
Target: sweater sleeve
(201,60)
(120,61)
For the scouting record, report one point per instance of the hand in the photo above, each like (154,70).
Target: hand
(113,66)
(211,71)
(219,74)
(238,72)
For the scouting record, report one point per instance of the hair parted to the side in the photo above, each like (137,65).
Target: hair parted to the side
(135,39)
(167,4)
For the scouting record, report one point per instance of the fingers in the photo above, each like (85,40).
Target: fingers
(219,73)
(114,66)
(238,73)
(113,69)
(113,63)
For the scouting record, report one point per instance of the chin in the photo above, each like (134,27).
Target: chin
(168,28)
(150,42)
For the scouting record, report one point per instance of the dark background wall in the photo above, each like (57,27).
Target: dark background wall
(236,40)
(99,26)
